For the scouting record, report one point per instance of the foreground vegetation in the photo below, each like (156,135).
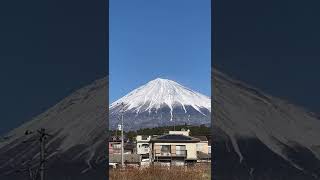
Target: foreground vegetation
(198,172)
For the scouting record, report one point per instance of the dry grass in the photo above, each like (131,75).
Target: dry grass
(198,172)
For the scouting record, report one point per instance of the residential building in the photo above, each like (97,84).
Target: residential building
(143,145)
(202,146)
(130,160)
(174,149)
(115,145)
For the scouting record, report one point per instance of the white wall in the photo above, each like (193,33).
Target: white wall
(186,133)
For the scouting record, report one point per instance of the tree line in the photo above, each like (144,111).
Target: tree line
(201,130)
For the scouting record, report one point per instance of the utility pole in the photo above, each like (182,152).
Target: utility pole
(42,152)
(122,139)
(122,143)
(42,137)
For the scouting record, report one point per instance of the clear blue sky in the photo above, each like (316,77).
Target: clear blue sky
(272,45)
(48,50)
(168,39)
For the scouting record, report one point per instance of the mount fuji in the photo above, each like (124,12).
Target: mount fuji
(255,136)
(160,102)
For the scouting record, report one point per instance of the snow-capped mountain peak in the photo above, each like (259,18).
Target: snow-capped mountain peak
(160,92)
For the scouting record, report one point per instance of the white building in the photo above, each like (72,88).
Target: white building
(182,132)
(143,145)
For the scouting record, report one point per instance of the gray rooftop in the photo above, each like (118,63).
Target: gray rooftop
(174,138)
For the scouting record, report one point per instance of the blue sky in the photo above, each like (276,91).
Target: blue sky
(49,49)
(150,39)
(271,45)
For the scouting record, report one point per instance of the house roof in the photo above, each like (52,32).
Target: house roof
(117,139)
(129,158)
(174,138)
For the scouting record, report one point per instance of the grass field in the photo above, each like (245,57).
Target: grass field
(198,172)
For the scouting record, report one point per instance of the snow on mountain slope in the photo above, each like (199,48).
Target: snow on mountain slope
(160,102)
(160,92)
(249,119)
(78,126)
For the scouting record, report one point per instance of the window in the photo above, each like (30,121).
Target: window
(165,149)
(116,146)
(181,150)
(145,145)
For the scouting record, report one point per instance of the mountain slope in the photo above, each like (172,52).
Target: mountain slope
(264,137)
(77,147)
(161,102)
